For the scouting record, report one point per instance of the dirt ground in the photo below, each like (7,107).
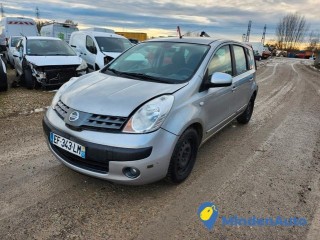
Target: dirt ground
(268,168)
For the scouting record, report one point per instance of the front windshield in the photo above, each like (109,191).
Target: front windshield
(110,44)
(14,41)
(48,47)
(169,62)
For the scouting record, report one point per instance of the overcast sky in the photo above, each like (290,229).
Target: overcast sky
(224,18)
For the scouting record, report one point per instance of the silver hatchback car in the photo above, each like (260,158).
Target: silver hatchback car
(143,116)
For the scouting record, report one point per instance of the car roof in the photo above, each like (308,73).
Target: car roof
(41,37)
(196,40)
(99,34)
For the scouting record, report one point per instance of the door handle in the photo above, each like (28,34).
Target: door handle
(234,88)
(250,79)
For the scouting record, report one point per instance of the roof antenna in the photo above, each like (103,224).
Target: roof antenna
(179,32)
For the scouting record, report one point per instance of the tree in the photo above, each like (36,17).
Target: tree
(291,31)
(314,41)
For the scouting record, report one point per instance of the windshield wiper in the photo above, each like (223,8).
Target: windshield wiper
(114,71)
(146,77)
(59,54)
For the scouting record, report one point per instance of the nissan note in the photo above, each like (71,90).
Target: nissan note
(144,116)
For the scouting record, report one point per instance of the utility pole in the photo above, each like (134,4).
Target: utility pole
(264,34)
(37,13)
(2,11)
(244,37)
(248,32)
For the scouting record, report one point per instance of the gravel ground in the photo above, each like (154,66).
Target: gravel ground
(267,168)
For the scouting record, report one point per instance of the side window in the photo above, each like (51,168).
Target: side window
(90,45)
(240,58)
(221,61)
(250,58)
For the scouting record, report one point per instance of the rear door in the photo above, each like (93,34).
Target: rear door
(244,75)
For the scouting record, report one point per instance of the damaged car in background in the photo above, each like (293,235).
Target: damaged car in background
(46,61)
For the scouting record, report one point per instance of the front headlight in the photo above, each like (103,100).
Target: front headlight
(61,90)
(150,116)
(83,66)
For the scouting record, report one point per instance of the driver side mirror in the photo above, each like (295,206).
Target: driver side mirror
(219,79)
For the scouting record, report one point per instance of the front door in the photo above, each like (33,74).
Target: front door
(218,101)
(90,53)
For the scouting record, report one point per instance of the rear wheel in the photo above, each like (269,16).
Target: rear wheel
(183,157)
(30,81)
(245,117)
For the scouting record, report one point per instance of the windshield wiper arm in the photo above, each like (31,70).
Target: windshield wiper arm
(116,72)
(146,77)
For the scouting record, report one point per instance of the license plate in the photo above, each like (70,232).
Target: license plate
(68,145)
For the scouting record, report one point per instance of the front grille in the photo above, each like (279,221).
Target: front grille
(101,166)
(89,121)
(59,74)
(61,109)
(105,122)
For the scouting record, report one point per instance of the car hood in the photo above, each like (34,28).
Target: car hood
(54,60)
(112,54)
(103,94)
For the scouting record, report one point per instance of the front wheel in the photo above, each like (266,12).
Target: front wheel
(245,117)
(30,81)
(183,157)
(3,80)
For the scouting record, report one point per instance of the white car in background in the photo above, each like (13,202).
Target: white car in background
(3,76)
(46,61)
(98,48)
(11,48)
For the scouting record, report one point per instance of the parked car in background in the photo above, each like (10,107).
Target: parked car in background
(16,26)
(142,119)
(266,53)
(46,61)
(304,54)
(98,48)
(3,76)
(11,48)
(58,30)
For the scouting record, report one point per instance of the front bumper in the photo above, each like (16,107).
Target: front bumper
(107,154)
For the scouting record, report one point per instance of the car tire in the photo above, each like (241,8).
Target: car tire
(3,80)
(30,81)
(183,157)
(245,117)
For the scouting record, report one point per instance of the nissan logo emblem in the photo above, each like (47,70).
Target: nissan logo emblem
(74,116)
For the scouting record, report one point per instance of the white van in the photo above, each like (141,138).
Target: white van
(16,26)
(58,30)
(98,48)
(257,49)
